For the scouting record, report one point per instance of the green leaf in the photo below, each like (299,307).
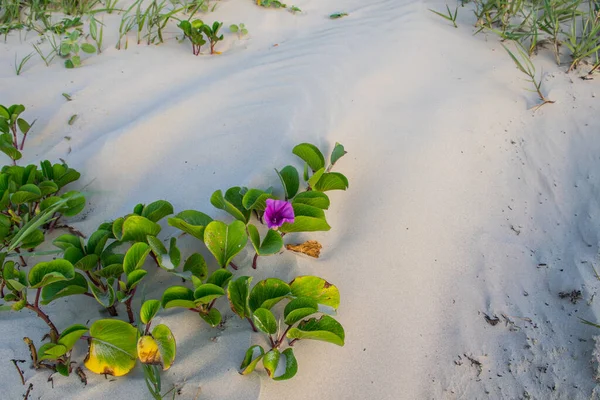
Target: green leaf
(48,187)
(111,271)
(317,289)
(207,292)
(337,153)
(137,228)
(174,253)
(225,241)
(331,181)
(134,278)
(311,155)
(45,273)
(306,219)
(325,329)
(237,293)
(178,296)
(105,298)
(86,263)
(267,293)
(113,347)
(166,345)
(290,180)
(56,290)
(32,240)
(271,361)
(255,199)
(312,198)
(149,310)
(24,126)
(51,351)
(233,28)
(8,148)
(88,48)
(197,266)
(71,335)
(97,241)
(291,365)
(157,210)
(117,228)
(253,355)
(25,194)
(315,178)
(220,278)
(135,257)
(191,222)
(213,317)
(161,253)
(272,243)
(225,204)
(265,320)
(298,309)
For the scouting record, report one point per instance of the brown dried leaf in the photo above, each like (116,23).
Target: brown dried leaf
(311,248)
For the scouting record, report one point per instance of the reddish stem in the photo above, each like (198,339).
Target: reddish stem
(280,340)
(293,341)
(53,331)
(235,267)
(252,324)
(254,260)
(128,306)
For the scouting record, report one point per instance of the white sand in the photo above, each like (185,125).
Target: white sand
(444,158)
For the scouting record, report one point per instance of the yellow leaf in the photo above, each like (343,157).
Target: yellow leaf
(148,351)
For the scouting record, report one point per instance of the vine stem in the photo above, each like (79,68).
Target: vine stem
(128,306)
(235,267)
(53,331)
(293,341)
(280,340)
(252,324)
(254,261)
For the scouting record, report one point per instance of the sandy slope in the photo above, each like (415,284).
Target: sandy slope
(462,202)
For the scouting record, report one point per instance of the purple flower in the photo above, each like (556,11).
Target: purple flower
(277,213)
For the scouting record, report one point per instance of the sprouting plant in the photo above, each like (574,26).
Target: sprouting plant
(47,58)
(66,24)
(449,16)
(339,15)
(240,29)
(294,9)
(19,65)
(110,5)
(78,7)
(525,65)
(585,45)
(308,297)
(70,46)
(157,20)
(212,33)
(10,125)
(194,32)
(96,34)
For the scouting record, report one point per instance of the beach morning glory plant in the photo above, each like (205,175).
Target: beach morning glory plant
(277,213)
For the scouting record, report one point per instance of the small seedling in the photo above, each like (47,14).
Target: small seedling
(96,34)
(450,17)
(294,9)
(72,119)
(67,96)
(212,33)
(19,66)
(271,3)
(526,67)
(239,29)
(70,47)
(338,15)
(193,31)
